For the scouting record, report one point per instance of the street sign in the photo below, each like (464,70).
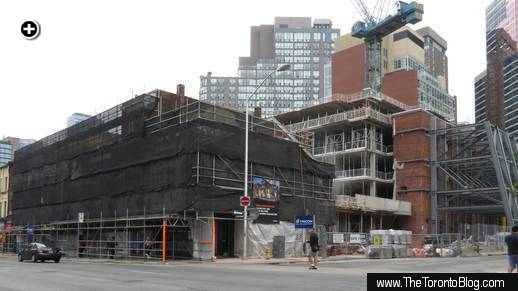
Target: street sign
(305,221)
(376,240)
(29,230)
(244,201)
(355,238)
(338,238)
(81,217)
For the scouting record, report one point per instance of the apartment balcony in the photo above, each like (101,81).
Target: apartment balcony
(373,204)
(363,173)
(353,173)
(384,175)
(346,116)
(344,147)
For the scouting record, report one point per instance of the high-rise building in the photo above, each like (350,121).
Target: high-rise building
(511,96)
(414,69)
(480,98)
(305,46)
(76,118)
(436,61)
(496,97)
(6,152)
(9,145)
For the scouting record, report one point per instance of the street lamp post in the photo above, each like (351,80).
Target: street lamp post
(280,68)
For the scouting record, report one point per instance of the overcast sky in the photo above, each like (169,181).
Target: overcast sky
(92,55)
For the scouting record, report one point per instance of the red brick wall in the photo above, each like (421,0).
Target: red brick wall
(401,85)
(348,70)
(412,151)
(420,220)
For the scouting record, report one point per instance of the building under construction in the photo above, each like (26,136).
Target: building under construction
(161,175)
(409,168)
(354,132)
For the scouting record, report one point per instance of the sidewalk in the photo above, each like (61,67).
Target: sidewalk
(251,261)
(281,261)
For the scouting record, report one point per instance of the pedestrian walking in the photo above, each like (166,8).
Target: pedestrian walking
(512,249)
(313,250)
(110,245)
(82,245)
(148,245)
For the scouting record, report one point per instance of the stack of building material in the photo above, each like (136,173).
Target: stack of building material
(386,244)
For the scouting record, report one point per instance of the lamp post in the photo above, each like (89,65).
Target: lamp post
(280,68)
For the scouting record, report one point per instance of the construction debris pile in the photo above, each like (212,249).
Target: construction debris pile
(347,243)
(387,244)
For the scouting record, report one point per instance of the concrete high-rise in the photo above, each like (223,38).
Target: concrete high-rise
(496,96)
(436,61)
(305,45)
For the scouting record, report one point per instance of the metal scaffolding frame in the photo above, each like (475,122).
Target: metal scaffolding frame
(473,170)
(226,174)
(112,236)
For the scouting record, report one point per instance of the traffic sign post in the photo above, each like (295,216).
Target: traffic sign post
(245,201)
(81,217)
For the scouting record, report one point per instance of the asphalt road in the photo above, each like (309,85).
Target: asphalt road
(337,275)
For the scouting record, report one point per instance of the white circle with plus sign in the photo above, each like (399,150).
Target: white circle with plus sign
(30,29)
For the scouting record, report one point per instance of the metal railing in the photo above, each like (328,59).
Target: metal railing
(360,172)
(339,147)
(384,175)
(350,115)
(352,173)
(350,145)
(362,95)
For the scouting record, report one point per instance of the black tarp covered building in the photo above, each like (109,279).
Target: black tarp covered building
(164,153)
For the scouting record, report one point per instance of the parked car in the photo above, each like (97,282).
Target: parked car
(39,252)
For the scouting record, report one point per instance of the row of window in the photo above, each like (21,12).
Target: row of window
(306,36)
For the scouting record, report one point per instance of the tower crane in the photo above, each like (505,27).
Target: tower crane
(375,26)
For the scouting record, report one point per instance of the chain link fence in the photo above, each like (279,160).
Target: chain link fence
(403,245)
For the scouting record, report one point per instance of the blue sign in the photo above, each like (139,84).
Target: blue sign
(29,229)
(305,221)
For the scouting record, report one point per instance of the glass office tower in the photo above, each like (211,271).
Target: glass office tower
(305,46)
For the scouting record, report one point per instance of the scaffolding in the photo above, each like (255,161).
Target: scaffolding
(194,109)
(353,132)
(114,236)
(473,171)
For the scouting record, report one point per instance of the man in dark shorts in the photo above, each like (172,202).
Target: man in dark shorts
(313,250)
(512,249)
